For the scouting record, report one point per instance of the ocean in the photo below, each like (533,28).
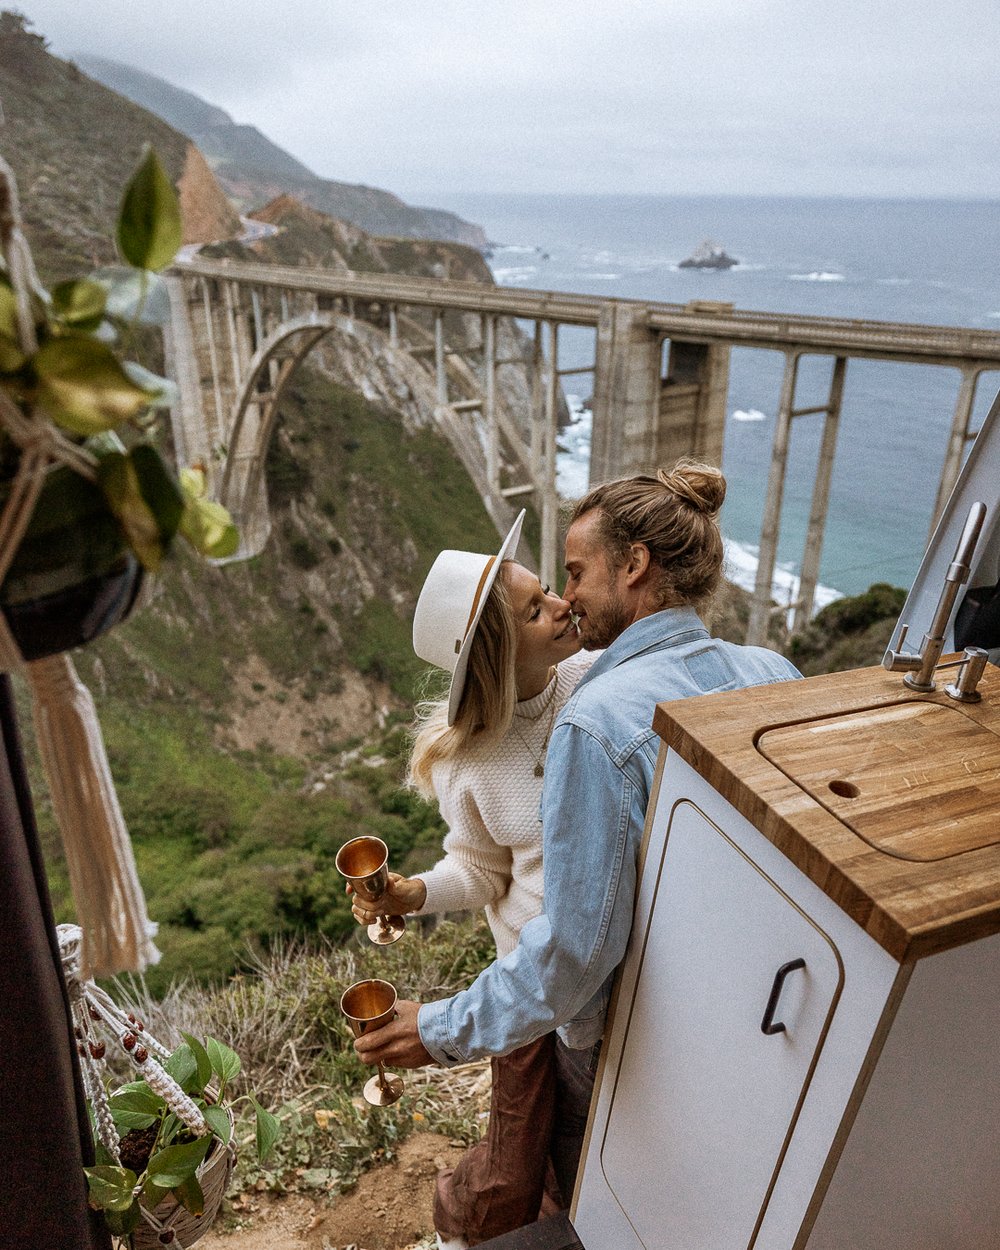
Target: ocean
(929,261)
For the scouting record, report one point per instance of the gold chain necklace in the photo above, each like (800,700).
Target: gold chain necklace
(539,769)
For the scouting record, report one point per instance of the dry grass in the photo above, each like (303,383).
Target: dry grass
(282,1017)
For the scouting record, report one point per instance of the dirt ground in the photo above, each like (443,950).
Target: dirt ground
(388,1209)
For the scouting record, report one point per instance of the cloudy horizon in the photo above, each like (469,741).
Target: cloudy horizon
(681,97)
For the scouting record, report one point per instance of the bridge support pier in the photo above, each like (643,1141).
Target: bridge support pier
(692,415)
(626,393)
(641,422)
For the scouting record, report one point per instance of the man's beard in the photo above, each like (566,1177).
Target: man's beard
(601,628)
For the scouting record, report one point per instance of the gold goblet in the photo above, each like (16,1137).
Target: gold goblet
(369,1005)
(364,862)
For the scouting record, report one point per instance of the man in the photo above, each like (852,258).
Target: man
(641,553)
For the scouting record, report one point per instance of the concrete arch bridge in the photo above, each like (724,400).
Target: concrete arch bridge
(659,383)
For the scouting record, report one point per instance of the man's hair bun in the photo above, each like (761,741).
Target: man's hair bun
(700,485)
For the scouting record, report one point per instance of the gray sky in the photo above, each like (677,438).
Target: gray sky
(799,97)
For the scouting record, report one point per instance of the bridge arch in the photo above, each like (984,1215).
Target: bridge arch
(242,487)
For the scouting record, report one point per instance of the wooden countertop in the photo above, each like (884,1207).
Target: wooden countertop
(919,867)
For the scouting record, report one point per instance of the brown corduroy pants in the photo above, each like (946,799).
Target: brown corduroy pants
(505,1180)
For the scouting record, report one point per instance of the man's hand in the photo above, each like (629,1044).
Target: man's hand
(403,896)
(397,1043)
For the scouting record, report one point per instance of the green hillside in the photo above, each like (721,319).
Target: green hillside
(251,711)
(72,144)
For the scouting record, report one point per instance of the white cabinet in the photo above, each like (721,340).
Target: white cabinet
(708,1133)
(723,932)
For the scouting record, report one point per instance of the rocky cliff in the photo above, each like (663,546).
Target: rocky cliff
(72,144)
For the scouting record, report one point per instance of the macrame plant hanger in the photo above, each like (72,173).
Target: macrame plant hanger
(96,1015)
(116,930)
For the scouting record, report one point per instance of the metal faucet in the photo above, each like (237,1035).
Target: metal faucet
(920,665)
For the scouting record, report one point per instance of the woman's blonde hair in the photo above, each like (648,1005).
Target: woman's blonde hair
(487,705)
(675,514)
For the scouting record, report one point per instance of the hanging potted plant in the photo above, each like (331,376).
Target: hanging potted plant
(166,1140)
(87,502)
(88,505)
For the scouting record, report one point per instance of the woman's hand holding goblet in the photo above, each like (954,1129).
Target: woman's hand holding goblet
(402,896)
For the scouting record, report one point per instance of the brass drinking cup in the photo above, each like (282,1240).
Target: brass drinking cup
(364,862)
(369,1005)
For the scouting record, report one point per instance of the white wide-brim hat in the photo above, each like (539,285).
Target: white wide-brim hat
(451,603)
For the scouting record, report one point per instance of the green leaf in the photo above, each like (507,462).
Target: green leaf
(121,1223)
(204,1064)
(225,1062)
(153,1194)
(83,386)
(8,312)
(147,502)
(79,303)
(268,1130)
(319,1178)
(175,1164)
(110,1188)
(149,223)
(182,1066)
(124,1120)
(189,1195)
(136,1096)
(101,1153)
(219,1123)
(11,356)
(209,528)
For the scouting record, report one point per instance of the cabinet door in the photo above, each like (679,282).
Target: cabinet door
(704,1102)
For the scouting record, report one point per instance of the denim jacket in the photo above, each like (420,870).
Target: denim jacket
(598,777)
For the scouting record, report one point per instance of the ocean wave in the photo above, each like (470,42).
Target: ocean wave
(894,281)
(995,315)
(741,569)
(820,275)
(573,450)
(604,277)
(748,414)
(512,248)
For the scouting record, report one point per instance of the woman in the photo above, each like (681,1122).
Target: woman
(511,648)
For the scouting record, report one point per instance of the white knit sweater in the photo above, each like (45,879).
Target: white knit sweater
(490,798)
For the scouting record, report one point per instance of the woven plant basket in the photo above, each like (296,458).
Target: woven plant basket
(170,1224)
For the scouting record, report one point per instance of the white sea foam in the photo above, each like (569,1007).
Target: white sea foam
(573,451)
(603,277)
(511,248)
(741,568)
(995,315)
(748,414)
(820,275)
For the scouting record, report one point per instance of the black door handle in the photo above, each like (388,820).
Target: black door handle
(767,1025)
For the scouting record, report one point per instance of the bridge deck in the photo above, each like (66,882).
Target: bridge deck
(882,340)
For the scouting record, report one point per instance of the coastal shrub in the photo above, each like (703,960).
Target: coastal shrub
(849,633)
